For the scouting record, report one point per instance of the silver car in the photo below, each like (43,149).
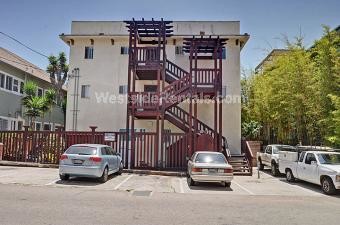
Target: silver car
(206,166)
(90,160)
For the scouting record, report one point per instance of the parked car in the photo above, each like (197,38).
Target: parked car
(270,155)
(207,166)
(318,167)
(90,160)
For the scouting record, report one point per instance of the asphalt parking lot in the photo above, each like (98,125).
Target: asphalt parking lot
(148,184)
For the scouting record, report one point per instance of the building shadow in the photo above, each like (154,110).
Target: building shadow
(205,186)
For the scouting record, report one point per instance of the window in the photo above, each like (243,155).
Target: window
(37,126)
(3,124)
(124,50)
(15,85)
(89,52)
(85,91)
(47,126)
(269,150)
(22,87)
(122,89)
(150,88)
(19,125)
(179,50)
(210,158)
(2,80)
(224,53)
(40,92)
(302,156)
(9,83)
(309,158)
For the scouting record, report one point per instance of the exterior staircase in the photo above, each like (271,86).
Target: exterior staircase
(240,165)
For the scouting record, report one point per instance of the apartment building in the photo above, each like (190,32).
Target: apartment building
(14,72)
(98,87)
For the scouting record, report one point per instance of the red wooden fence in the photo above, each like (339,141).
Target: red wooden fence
(45,147)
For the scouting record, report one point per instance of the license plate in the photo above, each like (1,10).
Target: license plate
(77,161)
(212,170)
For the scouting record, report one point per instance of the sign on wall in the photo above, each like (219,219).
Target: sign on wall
(109,137)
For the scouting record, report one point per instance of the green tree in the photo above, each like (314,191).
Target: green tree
(58,70)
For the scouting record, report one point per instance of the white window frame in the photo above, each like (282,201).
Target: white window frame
(13,78)
(86,93)
(35,125)
(42,92)
(11,121)
(179,50)
(47,123)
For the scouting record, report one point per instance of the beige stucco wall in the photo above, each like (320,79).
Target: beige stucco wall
(108,69)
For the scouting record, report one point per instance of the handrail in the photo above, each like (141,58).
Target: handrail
(249,156)
(175,70)
(184,117)
(144,100)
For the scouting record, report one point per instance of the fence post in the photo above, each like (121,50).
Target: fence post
(93,129)
(24,143)
(1,150)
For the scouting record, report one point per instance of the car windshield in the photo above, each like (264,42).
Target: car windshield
(329,158)
(210,158)
(82,150)
(276,149)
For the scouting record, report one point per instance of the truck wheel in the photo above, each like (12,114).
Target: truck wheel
(275,171)
(289,176)
(327,186)
(261,166)
(190,181)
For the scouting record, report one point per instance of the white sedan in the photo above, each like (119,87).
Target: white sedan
(207,166)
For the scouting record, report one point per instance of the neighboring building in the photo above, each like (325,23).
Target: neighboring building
(14,72)
(100,50)
(269,59)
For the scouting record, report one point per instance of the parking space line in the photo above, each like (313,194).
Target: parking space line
(125,180)
(53,182)
(243,188)
(181,189)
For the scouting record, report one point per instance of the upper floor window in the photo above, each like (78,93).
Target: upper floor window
(40,92)
(15,85)
(9,83)
(224,53)
(179,50)
(22,87)
(2,80)
(124,50)
(123,89)
(89,52)
(85,91)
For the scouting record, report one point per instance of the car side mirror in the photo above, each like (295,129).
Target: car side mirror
(313,163)
(187,158)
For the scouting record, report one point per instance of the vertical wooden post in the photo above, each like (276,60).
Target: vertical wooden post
(220,99)
(24,144)
(195,101)
(93,131)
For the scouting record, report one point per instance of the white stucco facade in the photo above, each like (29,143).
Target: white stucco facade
(109,69)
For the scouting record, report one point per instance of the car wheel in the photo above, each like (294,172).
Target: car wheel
(289,176)
(227,184)
(275,171)
(120,171)
(261,166)
(327,186)
(191,182)
(64,176)
(105,175)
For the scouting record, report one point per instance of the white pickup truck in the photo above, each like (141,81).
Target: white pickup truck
(318,167)
(270,156)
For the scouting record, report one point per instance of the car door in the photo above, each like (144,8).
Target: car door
(115,159)
(311,171)
(105,157)
(267,155)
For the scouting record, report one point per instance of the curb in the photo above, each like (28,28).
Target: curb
(27,164)
(142,172)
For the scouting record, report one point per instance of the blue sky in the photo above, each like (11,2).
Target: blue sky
(38,23)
